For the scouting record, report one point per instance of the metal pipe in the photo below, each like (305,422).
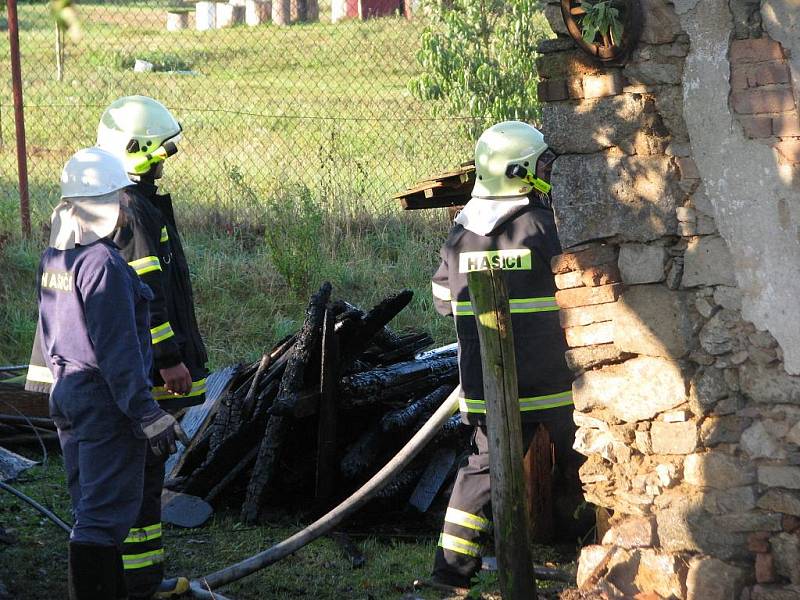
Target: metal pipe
(327,522)
(47,513)
(19,117)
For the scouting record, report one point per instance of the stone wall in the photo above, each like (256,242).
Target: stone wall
(677,201)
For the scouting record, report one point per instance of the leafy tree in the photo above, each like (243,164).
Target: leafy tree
(478,60)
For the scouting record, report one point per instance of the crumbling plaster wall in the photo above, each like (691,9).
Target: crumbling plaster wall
(755,199)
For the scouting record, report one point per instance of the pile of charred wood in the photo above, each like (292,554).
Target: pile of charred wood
(321,412)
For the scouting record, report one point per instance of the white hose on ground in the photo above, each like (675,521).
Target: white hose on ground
(201,587)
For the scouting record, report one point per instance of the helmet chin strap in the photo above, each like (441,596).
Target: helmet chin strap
(516,170)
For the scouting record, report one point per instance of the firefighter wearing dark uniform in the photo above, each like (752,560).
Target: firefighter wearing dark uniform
(142,133)
(95,334)
(507,225)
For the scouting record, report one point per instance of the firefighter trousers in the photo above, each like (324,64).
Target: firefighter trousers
(468,520)
(143,549)
(103,458)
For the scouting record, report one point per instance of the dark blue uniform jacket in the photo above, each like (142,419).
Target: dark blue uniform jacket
(95,325)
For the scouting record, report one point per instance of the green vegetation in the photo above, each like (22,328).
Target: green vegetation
(478,60)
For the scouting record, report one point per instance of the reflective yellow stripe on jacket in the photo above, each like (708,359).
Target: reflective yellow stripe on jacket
(164,234)
(145,265)
(161,393)
(525,404)
(516,306)
(161,333)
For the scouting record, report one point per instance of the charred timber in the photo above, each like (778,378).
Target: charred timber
(292,383)
(395,380)
(405,418)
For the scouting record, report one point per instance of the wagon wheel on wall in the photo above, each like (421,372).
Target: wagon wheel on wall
(608,44)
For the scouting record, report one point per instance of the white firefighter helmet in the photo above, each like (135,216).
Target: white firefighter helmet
(505,161)
(91,184)
(133,128)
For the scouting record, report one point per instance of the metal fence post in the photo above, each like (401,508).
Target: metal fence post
(504,428)
(19,117)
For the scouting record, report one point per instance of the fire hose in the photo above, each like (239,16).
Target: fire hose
(201,587)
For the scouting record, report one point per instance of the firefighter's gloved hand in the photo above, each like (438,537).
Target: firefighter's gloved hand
(161,430)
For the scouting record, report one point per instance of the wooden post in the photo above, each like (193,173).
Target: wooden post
(59,53)
(19,117)
(504,430)
(326,427)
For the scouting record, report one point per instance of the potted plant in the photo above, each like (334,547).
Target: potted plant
(605,29)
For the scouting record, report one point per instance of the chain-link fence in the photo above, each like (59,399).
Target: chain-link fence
(272,96)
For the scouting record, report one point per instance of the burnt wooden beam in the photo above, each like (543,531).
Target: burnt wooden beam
(292,383)
(404,418)
(395,380)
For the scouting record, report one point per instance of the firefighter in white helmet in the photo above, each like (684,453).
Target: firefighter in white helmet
(508,224)
(95,336)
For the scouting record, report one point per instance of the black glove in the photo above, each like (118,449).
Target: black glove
(161,429)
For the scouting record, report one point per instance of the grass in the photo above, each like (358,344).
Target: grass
(35,566)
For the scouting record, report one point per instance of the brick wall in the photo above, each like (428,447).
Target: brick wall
(762,97)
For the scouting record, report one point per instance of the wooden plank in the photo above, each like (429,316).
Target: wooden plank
(31,404)
(198,418)
(504,428)
(538,465)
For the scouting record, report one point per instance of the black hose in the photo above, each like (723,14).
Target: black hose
(47,513)
(327,522)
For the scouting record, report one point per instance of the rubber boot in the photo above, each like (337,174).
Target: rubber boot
(92,572)
(172,588)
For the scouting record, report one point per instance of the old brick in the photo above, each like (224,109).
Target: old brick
(568,280)
(765,568)
(588,296)
(590,335)
(772,73)
(674,438)
(758,541)
(786,125)
(741,76)
(575,88)
(755,50)
(586,315)
(594,255)
(551,90)
(589,357)
(601,275)
(762,100)
(563,65)
(756,127)
(789,149)
(599,86)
